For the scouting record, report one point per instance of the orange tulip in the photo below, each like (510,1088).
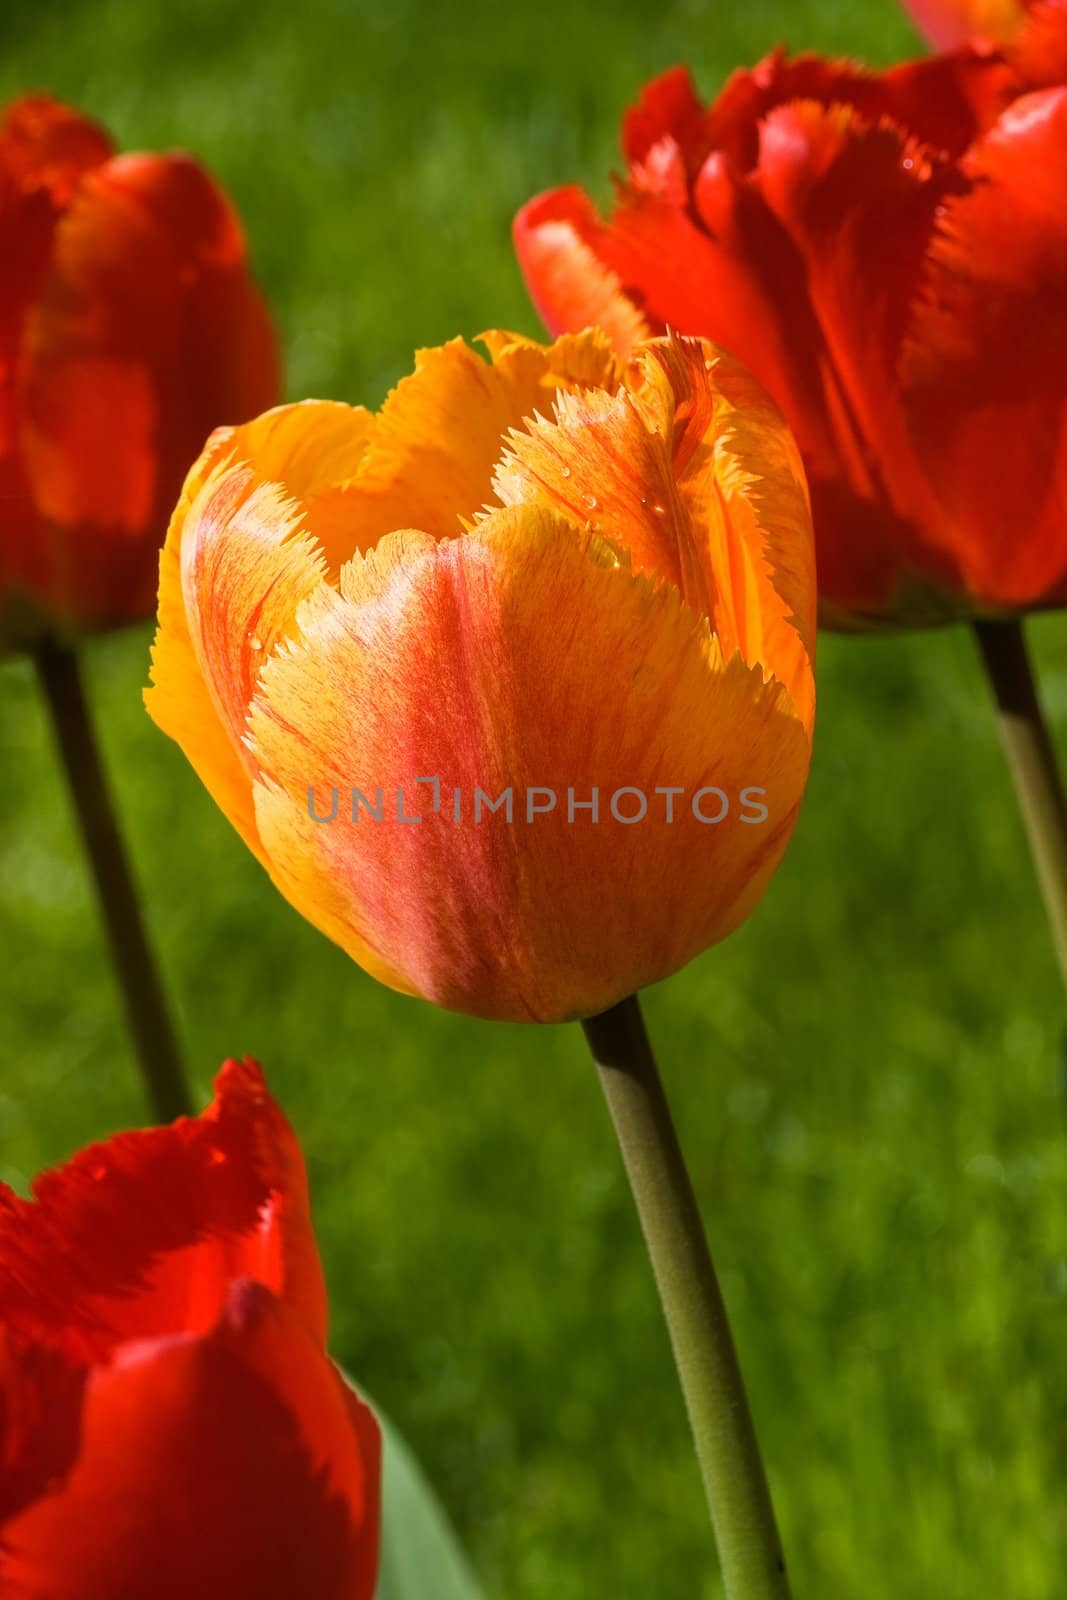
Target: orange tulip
(887,252)
(170,1422)
(129,328)
(584,584)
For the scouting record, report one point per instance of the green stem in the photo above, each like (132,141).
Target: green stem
(741,1512)
(134,964)
(1032,761)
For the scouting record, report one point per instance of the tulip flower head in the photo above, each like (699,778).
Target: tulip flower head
(887,253)
(129,328)
(509,687)
(170,1424)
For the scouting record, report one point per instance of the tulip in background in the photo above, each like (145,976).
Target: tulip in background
(170,1423)
(129,328)
(887,252)
(557,572)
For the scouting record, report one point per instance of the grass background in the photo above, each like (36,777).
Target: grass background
(868,1077)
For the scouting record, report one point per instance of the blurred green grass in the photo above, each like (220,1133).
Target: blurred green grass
(868,1077)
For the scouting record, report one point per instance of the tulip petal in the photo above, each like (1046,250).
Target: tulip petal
(986,357)
(179,699)
(559,241)
(313,451)
(943,101)
(668,108)
(695,475)
(48,146)
(201,687)
(412,474)
(141,1236)
(40,1422)
(581,360)
(860,204)
(245,563)
(485,661)
(222,1466)
(147,303)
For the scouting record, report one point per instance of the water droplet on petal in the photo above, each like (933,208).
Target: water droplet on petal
(255,642)
(566,472)
(590,500)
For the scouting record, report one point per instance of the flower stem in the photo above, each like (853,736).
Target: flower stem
(750,1551)
(135,967)
(1028,750)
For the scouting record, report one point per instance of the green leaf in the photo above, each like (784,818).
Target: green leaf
(421,1557)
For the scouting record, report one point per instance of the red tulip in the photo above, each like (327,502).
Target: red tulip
(129,328)
(170,1424)
(887,253)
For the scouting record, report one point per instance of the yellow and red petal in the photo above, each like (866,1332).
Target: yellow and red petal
(985,362)
(521,655)
(147,320)
(221,1465)
(179,699)
(203,674)
(142,1236)
(692,471)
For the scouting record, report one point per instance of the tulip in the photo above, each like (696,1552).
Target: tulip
(170,1424)
(129,328)
(887,252)
(557,577)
